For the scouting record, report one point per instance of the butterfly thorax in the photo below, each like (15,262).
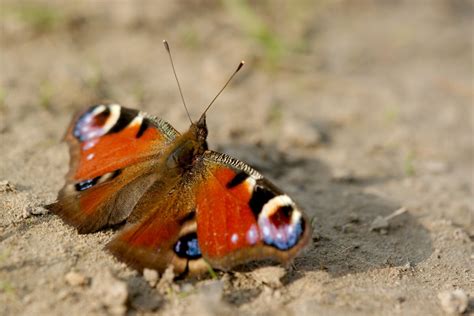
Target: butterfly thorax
(188,147)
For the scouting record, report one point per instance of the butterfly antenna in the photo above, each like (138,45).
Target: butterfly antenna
(229,80)
(176,77)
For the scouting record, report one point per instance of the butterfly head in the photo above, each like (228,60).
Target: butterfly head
(201,129)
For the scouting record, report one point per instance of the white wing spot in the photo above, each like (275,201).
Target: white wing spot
(234,238)
(252,235)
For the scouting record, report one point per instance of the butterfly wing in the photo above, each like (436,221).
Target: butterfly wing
(242,217)
(112,150)
(223,213)
(166,235)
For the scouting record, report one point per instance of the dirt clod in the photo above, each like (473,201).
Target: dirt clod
(7,187)
(34,211)
(270,276)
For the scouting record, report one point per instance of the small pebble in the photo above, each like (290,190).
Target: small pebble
(75,279)
(454,302)
(62,295)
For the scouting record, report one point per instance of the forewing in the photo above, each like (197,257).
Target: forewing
(112,149)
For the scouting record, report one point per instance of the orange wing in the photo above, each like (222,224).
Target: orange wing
(166,235)
(112,150)
(222,213)
(243,217)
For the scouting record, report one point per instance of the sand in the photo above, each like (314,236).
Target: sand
(356,110)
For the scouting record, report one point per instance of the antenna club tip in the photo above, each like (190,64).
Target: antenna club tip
(165,42)
(240,65)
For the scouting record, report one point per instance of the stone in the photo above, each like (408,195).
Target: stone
(75,279)
(454,302)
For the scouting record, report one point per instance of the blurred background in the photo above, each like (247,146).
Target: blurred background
(343,103)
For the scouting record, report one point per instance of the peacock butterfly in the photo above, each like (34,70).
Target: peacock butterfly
(182,204)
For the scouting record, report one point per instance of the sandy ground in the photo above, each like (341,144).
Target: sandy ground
(356,110)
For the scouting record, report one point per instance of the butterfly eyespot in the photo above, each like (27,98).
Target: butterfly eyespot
(101,120)
(282,215)
(92,123)
(280,223)
(87,184)
(188,247)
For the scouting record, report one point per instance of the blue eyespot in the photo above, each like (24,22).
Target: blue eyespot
(86,184)
(188,247)
(278,230)
(90,125)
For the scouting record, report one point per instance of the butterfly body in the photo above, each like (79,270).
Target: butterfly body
(183,204)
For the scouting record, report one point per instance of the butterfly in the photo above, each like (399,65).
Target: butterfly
(182,204)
